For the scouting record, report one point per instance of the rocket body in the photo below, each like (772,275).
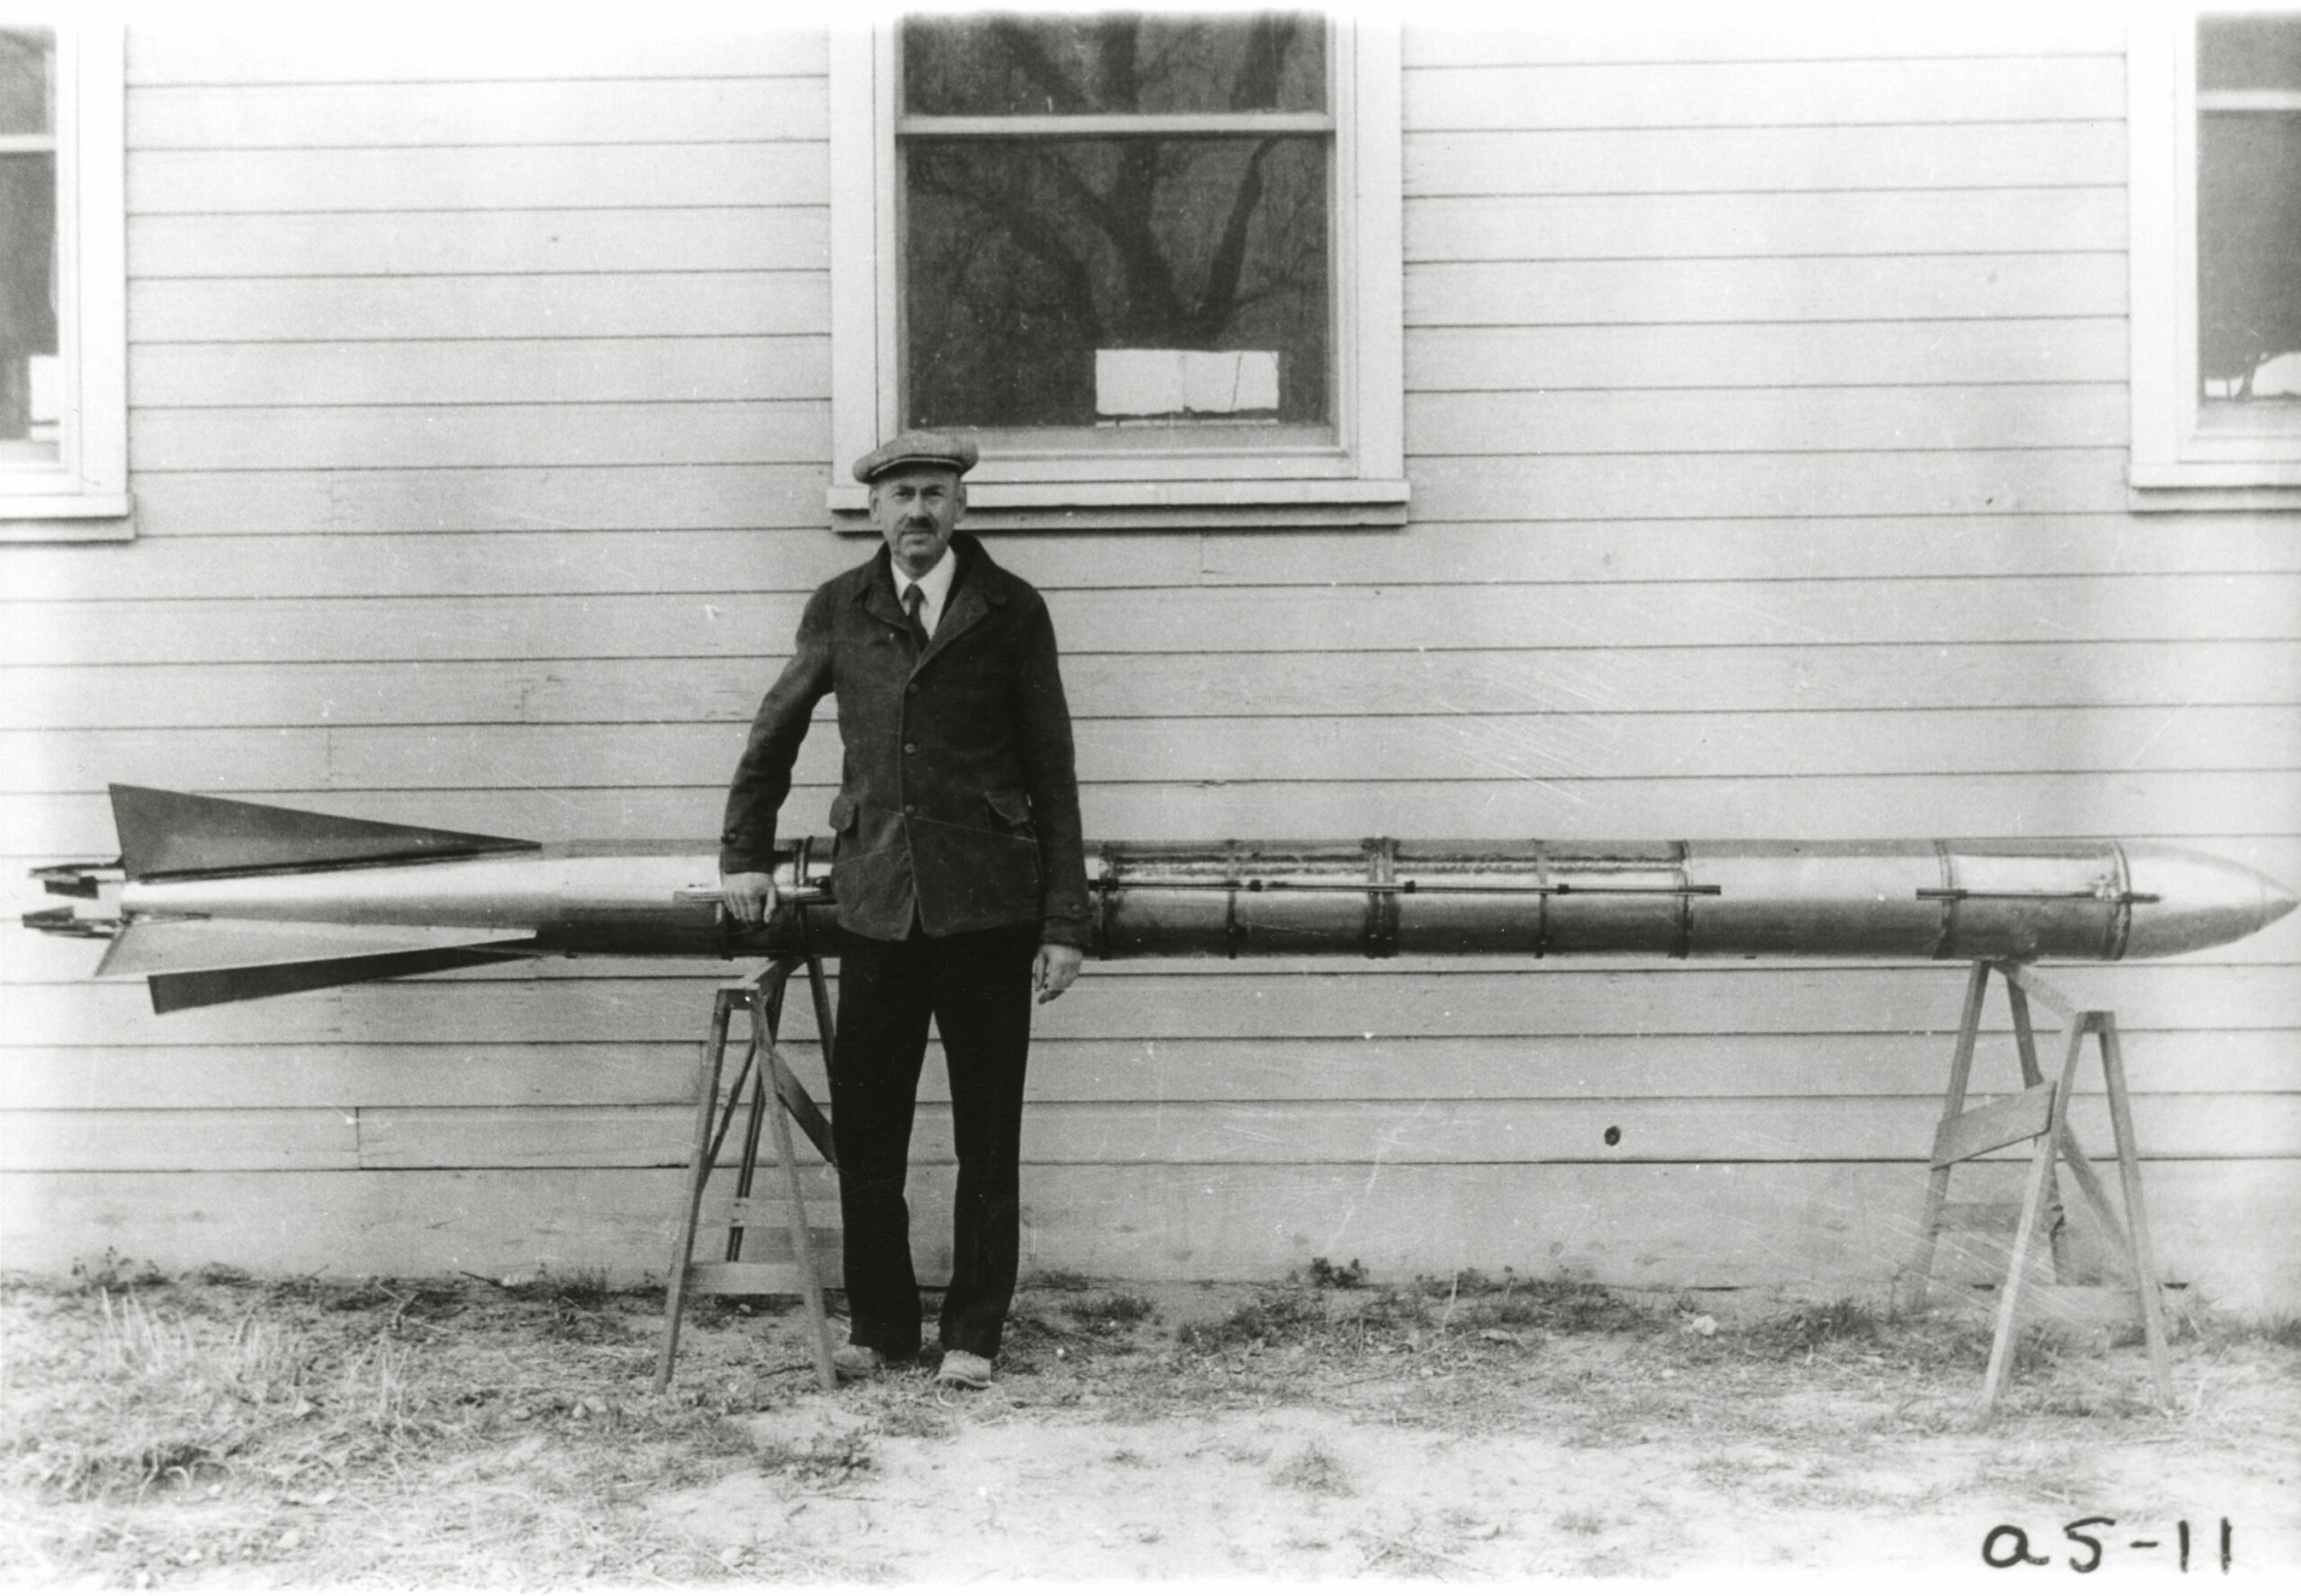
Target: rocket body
(214,904)
(1993,898)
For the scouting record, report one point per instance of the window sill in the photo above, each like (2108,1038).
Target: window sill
(1154,506)
(2261,483)
(67,517)
(2168,489)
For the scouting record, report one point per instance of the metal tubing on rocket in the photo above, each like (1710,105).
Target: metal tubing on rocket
(1982,899)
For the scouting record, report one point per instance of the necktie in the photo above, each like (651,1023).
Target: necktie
(913,597)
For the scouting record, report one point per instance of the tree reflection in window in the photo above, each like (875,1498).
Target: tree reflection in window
(1192,215)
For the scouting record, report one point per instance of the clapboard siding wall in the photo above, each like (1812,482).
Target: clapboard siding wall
(1767,423)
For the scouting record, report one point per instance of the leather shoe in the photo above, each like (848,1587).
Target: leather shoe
(971,1370)
(851,1362)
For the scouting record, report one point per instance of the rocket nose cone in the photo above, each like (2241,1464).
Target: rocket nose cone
(2192,901)
(2276,901)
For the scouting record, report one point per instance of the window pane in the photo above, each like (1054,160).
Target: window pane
(2249,255)
(2248,52)
(1073,281)
(27,90)
(28,424)
(27,410)
(1048,65)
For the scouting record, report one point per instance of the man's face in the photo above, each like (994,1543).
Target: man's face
(916,508)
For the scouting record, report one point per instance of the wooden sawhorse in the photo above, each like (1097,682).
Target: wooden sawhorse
(2040,1114)
(764,1071)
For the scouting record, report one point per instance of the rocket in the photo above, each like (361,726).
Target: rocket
(214,900)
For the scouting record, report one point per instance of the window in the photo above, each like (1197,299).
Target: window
(63,390)
(2215,132)
(1148,262)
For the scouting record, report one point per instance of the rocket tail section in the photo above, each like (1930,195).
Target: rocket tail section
(195,960)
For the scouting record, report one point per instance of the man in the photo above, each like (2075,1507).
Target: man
(959,874)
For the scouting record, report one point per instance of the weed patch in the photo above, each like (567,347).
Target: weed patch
(1799,1332)
(115,1273)
(916,1421)
(1030,1331)
(1274,1316)
(1435,1311)
(1112,1310)
(1559,1304)
(585,1290)
(1315,1471)
(2279,1330)
(821,1460)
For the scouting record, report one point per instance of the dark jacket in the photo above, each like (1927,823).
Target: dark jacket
(958,797)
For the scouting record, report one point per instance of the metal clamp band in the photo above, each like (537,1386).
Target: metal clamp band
(1684,852)
(2122,923)
(1541,862)
(1950,895)
(1382,906)
(1106,888)
(1232,934)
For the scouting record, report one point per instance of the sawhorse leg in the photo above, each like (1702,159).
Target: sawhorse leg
(2041,1114)
(2138,1247)
(1919,1274)
(769,1076)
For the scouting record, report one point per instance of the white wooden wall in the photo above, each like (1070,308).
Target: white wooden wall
(1766,424)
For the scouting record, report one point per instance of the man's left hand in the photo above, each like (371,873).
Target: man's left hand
(1056,968)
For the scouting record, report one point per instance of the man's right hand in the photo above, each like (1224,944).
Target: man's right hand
(748,896)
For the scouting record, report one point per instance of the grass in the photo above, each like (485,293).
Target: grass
(154,1429)
(1433,1309)
(2281,1330)
(2235,1330)
(485,1432)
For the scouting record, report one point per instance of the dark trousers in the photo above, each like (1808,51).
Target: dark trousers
(977,988)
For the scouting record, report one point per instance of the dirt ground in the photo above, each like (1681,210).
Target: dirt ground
(225,1432)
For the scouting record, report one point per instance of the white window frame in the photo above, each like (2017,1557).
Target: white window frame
(2178,461)
(83,496)
(1360,480)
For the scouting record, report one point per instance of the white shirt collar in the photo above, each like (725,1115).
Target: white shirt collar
(934,588)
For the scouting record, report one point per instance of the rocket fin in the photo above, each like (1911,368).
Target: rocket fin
(164,833)
(172,947)
(199,988)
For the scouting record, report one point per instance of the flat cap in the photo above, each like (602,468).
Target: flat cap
(946,449)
